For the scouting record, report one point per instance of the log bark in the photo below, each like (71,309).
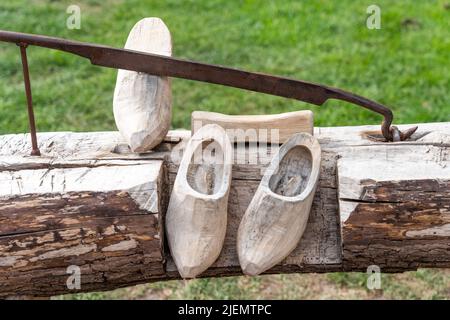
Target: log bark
(392,217)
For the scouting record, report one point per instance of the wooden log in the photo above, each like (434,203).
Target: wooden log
(320,249)
(395,207)
(104,220)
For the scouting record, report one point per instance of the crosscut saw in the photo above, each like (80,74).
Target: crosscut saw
(158,65)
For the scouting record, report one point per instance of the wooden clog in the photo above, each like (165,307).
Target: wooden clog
(142,103)
(196,217)
(276,218)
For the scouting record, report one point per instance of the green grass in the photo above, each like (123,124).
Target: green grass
(423,284)
(404,65)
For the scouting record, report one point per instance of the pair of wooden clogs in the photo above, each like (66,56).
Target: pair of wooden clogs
(274,221)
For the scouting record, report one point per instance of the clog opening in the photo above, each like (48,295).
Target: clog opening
(206,168)
(293,173)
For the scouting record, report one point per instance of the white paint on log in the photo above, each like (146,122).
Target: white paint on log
(345,208)
(354,173)
(436,138)
(66,252)
(138,180)
(143,103)
(8,261)
(121,246)
(441,231)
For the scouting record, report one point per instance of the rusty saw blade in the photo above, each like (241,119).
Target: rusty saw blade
(172,67)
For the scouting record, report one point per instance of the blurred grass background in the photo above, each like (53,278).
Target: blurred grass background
(404,65)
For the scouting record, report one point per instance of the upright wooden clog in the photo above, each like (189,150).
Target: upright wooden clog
(142,103)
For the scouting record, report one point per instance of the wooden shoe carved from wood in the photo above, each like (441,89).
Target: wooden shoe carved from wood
(196,217)
(276,218)
(143,103)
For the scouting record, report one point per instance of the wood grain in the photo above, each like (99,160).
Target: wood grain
(272,128)
(104,220)
(142,103)
(196,217)
(397,216)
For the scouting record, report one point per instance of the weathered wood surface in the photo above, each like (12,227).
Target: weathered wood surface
(319,250)
(271,128)
(103,219)
(395,206)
